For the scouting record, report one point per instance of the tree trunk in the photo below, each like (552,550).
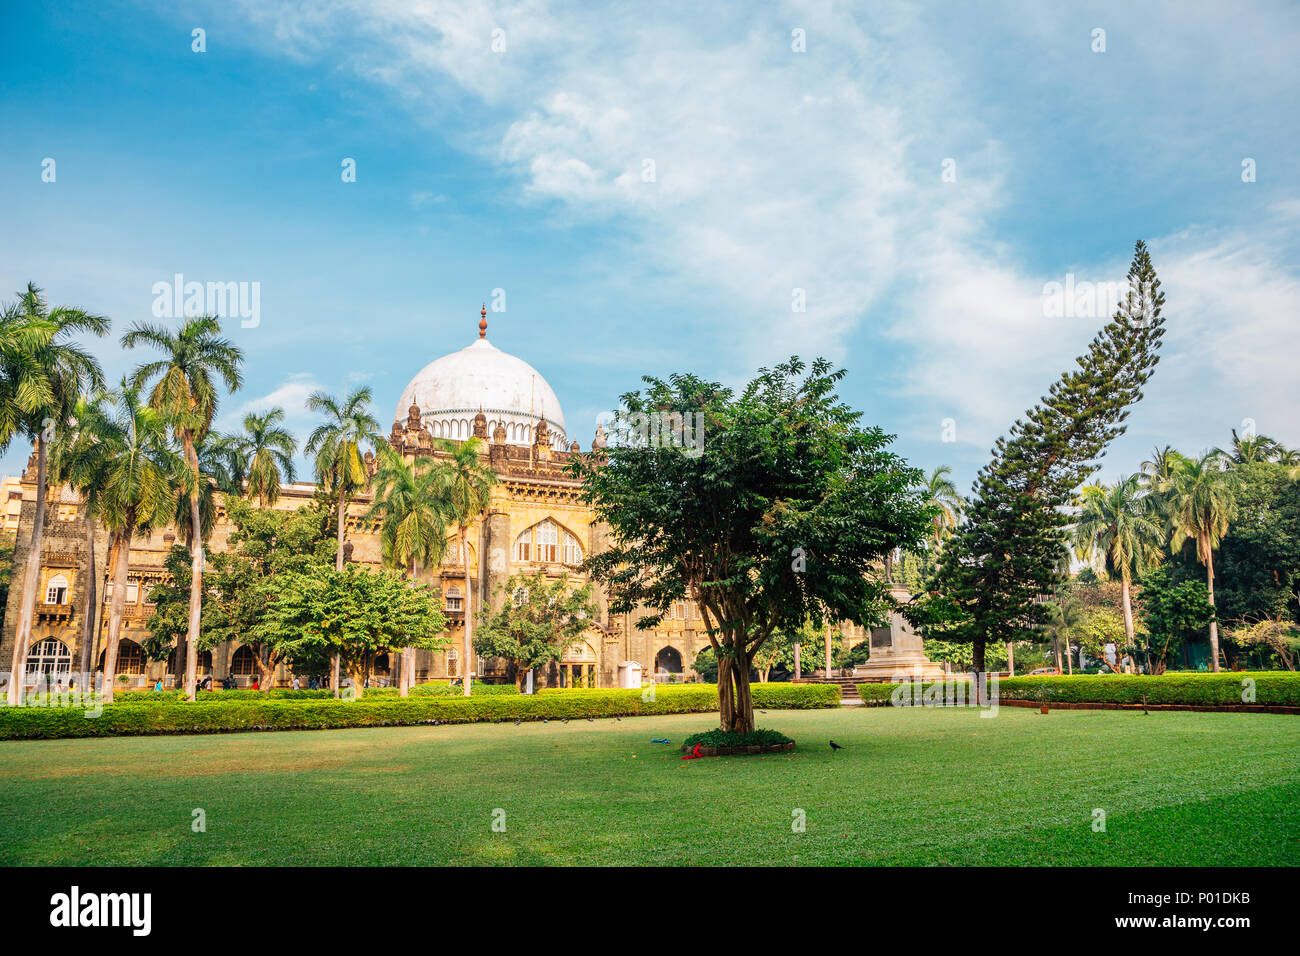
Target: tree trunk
(726,694)
(406,666)
(338,566)
(1056,652)
(469,612)
(740,720)
(798,668)
(977,655)
(31,580)
(1128,614)
(121,559)
(357,671)
(267,668)
(191,658)
(1069,657)
(88,620)
(1214,624)
(1011,658)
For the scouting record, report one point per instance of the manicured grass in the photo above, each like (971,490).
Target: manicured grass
(912,786)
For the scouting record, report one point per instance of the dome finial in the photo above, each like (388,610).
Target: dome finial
(482,322)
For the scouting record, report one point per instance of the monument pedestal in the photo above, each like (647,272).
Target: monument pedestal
(897,652)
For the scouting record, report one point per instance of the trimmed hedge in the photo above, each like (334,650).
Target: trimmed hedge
(444,690)
(1272,688)
(777,696)
(133,719)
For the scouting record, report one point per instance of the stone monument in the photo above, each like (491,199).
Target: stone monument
(896,650)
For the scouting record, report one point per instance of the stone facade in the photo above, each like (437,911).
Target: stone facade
(533,494)
(533,497)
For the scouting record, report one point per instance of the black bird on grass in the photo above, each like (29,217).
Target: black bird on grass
(518,722)
(835,746)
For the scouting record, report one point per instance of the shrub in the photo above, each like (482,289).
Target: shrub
(1272,688)
(131,719)
(777,696)
(441,689)
(727,738)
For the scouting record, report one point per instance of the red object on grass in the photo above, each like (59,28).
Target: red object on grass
(693,754)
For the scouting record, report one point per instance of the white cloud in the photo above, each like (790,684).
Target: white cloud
(775,171)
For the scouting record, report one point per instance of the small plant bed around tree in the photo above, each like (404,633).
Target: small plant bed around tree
(724,743)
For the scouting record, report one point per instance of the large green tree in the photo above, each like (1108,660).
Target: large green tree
(357,614)
(539,617)
(1001,562)
(195,358)
(1173,612)
(782,510)
(44,373)
(241,586)
(1119,531)
(411,508)
(340,468)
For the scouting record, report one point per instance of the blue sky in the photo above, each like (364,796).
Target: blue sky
(774,170)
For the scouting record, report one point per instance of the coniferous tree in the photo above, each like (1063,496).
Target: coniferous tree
(999,566)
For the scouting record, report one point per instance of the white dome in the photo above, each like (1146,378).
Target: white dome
(451,390)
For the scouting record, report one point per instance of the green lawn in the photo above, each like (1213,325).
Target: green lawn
(912,787)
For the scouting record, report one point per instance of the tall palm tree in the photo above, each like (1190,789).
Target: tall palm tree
(340,469)
(1117,527)
(194,358)
(80,461)
(135,492)
(1289,459)
(43,374)
(1064,620)
(410,507)
(1249,448)
(941,492)
(1202,504)
(219,471)
(468,486)
(268,448)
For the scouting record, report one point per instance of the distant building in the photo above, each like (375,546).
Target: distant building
(11,490)
(535,521)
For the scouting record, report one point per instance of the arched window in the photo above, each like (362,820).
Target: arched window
(546,543)
(204,665)
(668,660)
(130,658)
(244,662)
(56,592)
(50,659)
(454,600)
(452,555)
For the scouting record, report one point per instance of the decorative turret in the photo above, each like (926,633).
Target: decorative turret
(598,443)
(482,322)
(499,434)
(480,425)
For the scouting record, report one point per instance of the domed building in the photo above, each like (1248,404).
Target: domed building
(535,521)
(451,390)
